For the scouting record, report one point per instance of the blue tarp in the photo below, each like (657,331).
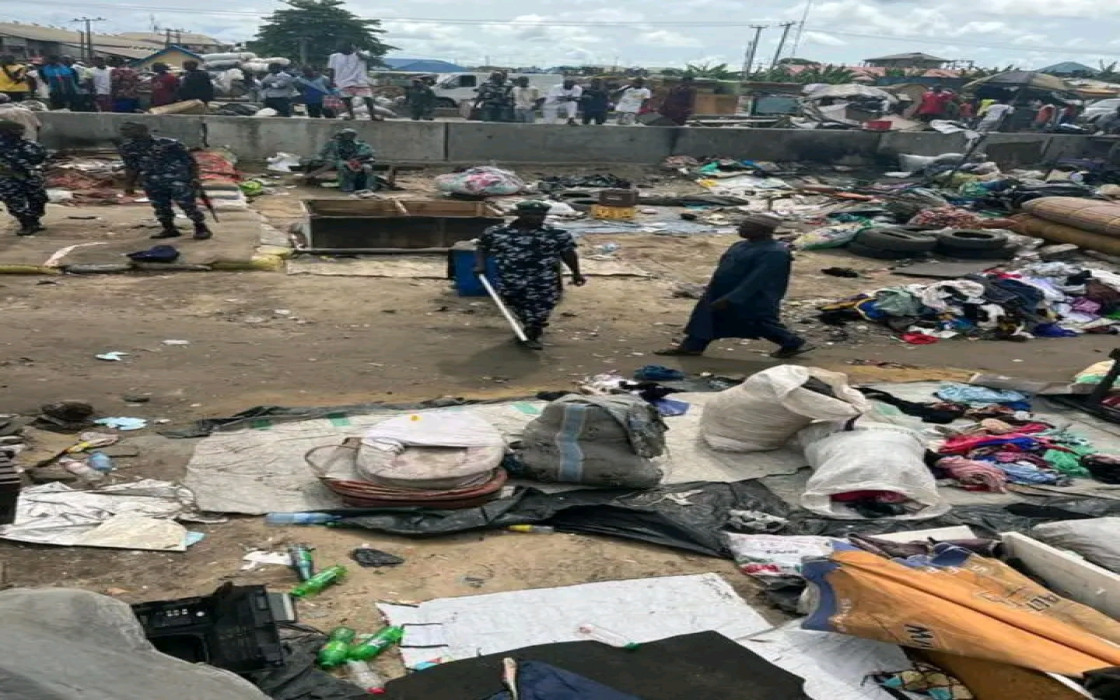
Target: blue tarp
(541,681)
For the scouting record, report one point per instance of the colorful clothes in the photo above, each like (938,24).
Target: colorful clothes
(528,262)
(125,82)
(165,89)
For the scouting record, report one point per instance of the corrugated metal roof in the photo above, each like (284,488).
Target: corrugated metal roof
(179,37)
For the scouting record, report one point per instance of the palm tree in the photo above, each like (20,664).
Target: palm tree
(719,71)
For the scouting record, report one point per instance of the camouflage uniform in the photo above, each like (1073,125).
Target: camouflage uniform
(22,188)
(166,171)
(528,263)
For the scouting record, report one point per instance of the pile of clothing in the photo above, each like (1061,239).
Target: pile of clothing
(1051,300)
(559,183)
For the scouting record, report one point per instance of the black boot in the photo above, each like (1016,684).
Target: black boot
(29,227)
(168,231)
(201,233)
(534,333)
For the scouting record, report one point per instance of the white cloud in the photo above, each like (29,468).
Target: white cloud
(811,37)
(664,37)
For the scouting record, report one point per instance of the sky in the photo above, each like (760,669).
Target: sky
(663,33)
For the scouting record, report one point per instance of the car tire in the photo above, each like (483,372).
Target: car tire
(1006,252)
(895,240)
(961,239)
(865,251)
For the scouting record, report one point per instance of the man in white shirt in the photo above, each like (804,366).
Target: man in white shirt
(562,102)
(630,100)
(994,116)
(348,70)
(102,85)
(525,99)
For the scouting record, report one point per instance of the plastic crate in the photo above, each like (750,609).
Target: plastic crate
(618,198)
(234,628)
(600,211)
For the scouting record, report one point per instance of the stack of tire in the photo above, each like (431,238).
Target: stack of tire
(898,243)
(892,243)
(965,244)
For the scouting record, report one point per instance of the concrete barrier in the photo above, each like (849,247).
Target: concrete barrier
(475,143)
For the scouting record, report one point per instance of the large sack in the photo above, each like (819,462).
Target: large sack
(482,181)
(1094,539)
(595,440)
(1090,215)
(1038,227)
(768,409)
(434,450)
(853,456)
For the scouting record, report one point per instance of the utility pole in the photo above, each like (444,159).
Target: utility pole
(781,42)
(752,49)
(801,27)
(87,36)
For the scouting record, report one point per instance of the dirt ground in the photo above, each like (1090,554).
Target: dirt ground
(268,338)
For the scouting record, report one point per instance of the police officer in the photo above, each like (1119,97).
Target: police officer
(168,175)
(22,188)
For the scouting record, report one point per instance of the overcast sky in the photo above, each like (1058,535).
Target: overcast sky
(1028,33)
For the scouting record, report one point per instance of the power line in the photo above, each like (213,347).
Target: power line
(87,35)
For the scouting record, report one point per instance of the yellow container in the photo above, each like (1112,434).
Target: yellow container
(601,211)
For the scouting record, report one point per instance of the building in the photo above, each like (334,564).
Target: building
(173,56)
(34,41)
(422,65)
(907,60)
(198,43)
(1071,69)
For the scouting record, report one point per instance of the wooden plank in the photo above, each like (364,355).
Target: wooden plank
(1068,574)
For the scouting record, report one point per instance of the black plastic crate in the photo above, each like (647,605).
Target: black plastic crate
(234,628)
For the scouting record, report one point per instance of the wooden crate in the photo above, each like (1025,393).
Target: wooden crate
(388,225)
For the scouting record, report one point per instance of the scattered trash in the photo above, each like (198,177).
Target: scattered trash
(658,373)
(371,646)
(176,342)
(533,529)
(314,585)
(301,561)
(337,649)
(123,423)
(367,557)
(113,356)
(257,558)
(840,272)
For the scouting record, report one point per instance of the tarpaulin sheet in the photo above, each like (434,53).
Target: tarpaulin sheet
(260,467)
(641,610)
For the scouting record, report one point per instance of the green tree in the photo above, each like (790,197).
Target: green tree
(309,31)
(719,71)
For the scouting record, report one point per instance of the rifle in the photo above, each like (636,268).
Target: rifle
(201,193)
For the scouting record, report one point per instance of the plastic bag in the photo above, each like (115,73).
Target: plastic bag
(1094,539)
(595,440)
(867,457)
(775,556)
(827,237)
(436,450)
(1094,373)
(483,181)
(768,409)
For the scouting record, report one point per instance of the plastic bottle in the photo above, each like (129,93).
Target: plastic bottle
(337,648)
(100,461)
(365,677)
(535,529)
(319,581)
(307,518)
(299,558)
(605,636)
(376,643)
(81,470)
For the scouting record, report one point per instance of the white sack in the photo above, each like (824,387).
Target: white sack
(1094,539)
(868,457)
(397,450)
(765,411)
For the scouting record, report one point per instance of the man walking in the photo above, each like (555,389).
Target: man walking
(528,254)
(102,76)
(195,84)
(525,98)
(348,70)
(630,101)
(421,99)
(167,172)
(562,101)
(744,296)
(596,102)
(276,88)
(22,187)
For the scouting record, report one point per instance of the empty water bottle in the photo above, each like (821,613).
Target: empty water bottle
(365,677)
(306,518)
(100,461)
(606,636)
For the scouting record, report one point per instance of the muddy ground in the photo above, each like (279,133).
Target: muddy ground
(267,338)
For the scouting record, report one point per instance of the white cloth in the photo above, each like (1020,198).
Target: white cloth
(350,70)
(631,99)
(525,97)
(562,103)
(994,114)
(102,84)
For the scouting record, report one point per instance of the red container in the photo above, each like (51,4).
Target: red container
(877,125)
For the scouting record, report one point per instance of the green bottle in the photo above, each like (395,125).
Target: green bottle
(319,581)
(335,651)
(373,645)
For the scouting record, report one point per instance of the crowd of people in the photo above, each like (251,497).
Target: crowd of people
(991,113)
(502,100)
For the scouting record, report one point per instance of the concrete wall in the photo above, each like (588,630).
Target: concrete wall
(479,143)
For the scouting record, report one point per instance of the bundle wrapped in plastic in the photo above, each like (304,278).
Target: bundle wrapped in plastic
(482,181)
